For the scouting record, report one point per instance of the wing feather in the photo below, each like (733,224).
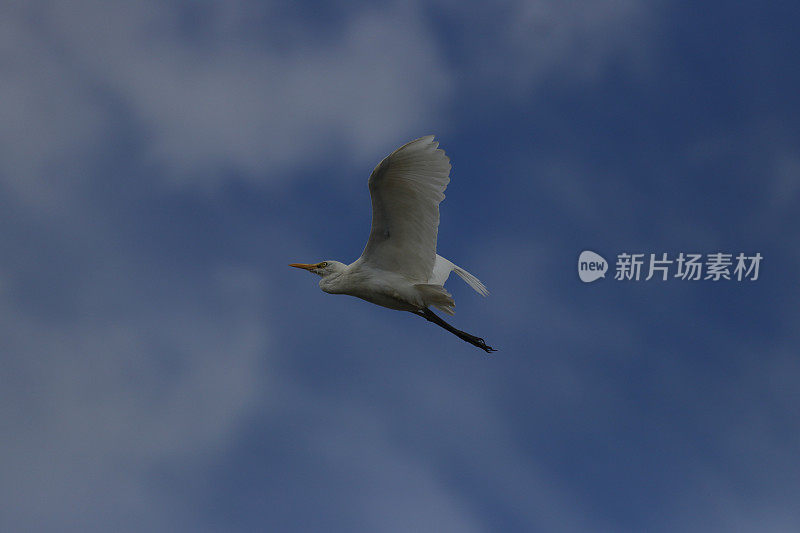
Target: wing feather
(406,189)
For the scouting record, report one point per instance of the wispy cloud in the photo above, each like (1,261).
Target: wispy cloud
(514,47)
(212,93)
(96,405)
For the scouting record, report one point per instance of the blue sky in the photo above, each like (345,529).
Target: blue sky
(163,369)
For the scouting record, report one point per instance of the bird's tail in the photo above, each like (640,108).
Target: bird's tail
(437,296)
(471,280)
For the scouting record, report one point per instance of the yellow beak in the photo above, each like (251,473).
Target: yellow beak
(303,266)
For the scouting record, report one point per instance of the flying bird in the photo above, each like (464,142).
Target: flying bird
(399,267)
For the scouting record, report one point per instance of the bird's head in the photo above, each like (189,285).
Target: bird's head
(323,268)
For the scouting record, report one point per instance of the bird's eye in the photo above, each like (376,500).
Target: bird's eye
(323,264)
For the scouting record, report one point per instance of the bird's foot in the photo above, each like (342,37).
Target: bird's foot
(480,343)
(475,341)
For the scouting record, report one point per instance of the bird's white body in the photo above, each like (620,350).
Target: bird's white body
(381,287)
(394,290)
(399,267)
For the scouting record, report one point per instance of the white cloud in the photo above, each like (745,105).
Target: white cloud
(514,46)
(97,407)
(50,121)
(225,97)
(579,38)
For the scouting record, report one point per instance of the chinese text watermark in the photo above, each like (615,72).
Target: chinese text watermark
(716,266)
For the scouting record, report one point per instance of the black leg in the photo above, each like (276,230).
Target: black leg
(429,315)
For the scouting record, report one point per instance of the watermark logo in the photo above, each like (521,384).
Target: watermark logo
(591,266)
(716,266)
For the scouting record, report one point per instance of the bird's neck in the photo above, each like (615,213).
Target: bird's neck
(332,283)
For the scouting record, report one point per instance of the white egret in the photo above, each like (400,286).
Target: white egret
(399,267)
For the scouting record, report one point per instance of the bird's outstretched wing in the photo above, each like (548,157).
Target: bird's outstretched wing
(406,189)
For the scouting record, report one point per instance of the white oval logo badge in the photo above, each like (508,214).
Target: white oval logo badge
(591,266)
